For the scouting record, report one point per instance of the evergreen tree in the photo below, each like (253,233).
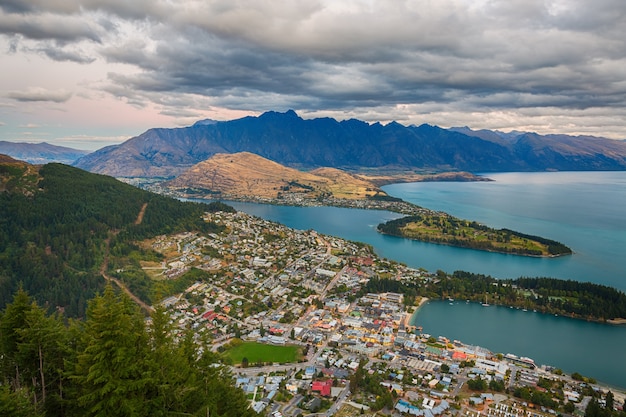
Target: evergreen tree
(112,373)
(16,404)
(13,319)
(43,345)
(112,364)
(610,400)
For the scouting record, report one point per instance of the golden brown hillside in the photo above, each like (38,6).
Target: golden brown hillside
(247,175)
(6,159)
(18,176)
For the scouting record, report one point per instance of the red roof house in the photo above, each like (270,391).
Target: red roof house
(323,387)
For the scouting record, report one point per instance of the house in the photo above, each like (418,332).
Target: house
(323,387)
(309,372)
(314,404)
(407,408)
(476,400)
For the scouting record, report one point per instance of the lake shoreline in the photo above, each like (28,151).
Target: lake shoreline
(398,206)
(440,316)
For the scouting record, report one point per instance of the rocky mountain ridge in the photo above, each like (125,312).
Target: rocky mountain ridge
(352,145)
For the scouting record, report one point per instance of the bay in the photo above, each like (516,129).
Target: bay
(583,210)
(580,209)
(591,349)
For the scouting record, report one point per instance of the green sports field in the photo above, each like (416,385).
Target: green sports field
(258,352)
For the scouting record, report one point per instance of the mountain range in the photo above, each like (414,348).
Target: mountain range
(354,145)
(351,145)
(40,153)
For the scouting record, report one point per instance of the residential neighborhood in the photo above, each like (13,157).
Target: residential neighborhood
(262,282)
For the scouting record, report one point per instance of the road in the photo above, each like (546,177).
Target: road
(340,400)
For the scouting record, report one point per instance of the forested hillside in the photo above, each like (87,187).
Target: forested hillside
(111,364)
(448,230)
(57,222)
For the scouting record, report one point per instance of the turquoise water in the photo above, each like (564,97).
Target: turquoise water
(584,210)
(581,210)
(592,349)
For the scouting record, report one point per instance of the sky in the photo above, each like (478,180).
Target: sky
(90,73)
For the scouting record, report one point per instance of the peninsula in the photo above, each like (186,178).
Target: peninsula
(448,230)
(248,177)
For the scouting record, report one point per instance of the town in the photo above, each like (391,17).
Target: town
(262,284)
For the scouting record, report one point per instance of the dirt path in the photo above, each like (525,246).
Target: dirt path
(141,213)
(105,265)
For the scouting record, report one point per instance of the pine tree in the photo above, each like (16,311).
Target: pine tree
(176,382)
(13,319)
(16,404)
(113,375)
(43,345)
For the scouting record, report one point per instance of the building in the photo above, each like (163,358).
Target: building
(323,387)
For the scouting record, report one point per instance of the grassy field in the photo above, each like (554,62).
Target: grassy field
(258,352)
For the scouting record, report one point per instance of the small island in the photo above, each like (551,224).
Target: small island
(441,228)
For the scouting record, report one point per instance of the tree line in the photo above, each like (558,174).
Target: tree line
(583,300)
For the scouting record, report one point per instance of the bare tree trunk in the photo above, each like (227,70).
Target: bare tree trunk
(34,392)
(43,381)
(17,377)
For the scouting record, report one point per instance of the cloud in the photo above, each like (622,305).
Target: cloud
(61,54)
(366,59)
(89,142)
(388,54)
(49,26)
(40,94)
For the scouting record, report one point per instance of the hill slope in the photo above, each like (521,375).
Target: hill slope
(246,175)
(57,222)
(351,144)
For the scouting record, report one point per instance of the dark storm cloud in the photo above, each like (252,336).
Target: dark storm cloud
(350,59)
(315,55)
(48,26)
